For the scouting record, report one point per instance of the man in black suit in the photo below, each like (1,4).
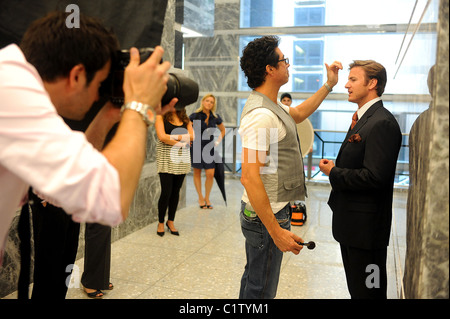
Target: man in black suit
(362,182)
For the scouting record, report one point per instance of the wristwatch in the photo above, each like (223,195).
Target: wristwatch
(147,112)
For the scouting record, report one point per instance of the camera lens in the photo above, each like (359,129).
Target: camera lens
(183,88)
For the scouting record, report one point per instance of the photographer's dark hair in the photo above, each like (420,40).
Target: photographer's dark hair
(54,49)
(256,56)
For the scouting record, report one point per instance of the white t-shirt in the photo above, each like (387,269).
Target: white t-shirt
(258,129)
(38,149)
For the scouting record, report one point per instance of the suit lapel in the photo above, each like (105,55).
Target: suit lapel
(360,124)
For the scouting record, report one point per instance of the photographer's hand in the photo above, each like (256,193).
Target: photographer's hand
(146,82)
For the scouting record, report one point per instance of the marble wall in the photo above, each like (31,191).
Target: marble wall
(213,61)
(427,264)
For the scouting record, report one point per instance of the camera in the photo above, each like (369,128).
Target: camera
(183,88)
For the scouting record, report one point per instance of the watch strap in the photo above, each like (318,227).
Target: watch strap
(147,112)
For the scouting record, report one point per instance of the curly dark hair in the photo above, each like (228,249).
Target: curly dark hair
(256,56)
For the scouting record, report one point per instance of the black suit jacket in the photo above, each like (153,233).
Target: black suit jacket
(363,179)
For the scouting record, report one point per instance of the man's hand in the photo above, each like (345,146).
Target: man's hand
(326,166)
(287,241)
(146,82)
(332,72)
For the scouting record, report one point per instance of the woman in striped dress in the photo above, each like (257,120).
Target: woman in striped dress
(174,131)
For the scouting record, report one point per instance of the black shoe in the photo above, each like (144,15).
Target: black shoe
(172,232)
(160,233)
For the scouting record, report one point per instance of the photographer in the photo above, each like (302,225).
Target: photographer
(57,72)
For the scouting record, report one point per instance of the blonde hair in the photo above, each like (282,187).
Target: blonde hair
(213,111)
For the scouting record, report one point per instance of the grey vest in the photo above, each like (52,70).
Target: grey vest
(283,175)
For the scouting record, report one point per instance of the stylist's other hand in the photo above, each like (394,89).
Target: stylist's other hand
(146,82)
(286,241)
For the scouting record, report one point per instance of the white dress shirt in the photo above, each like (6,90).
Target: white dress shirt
(38,149)
(366,106)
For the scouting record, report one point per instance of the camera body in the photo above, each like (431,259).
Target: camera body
(183,88)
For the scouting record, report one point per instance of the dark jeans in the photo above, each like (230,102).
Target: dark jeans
(262,271)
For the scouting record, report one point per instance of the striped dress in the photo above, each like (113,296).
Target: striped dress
(173,159)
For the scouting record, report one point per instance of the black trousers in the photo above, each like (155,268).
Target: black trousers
(97,257)
(55,250)
(170,194)
(365,271)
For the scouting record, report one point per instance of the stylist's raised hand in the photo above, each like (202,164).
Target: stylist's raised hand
(333,73)
(146,82)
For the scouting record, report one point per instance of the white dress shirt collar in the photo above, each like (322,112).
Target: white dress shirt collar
(366,106)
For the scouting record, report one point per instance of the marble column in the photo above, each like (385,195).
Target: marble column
(213,61)
(426,265)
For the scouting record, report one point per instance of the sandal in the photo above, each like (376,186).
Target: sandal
(95,294)
(203,206)
(209,206)
(110,286)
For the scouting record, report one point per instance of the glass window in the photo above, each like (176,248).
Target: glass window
(306,82)
(315,32)
(308,16)
(288,13)
(256,13)
(308,53)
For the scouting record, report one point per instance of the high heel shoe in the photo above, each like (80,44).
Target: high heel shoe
(176,233)
(160,233)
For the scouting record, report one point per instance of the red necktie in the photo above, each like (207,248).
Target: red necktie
(354,120)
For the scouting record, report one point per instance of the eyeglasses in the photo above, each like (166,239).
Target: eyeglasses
(286,60)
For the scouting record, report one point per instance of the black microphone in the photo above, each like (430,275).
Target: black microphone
(310,245)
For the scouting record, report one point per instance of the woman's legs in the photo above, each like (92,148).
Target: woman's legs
(198,185)
(168,200)
(166,187)
(208,184)
(174,198)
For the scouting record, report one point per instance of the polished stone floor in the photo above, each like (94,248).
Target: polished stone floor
(207,260)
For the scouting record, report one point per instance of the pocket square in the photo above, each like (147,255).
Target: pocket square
(355,138)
